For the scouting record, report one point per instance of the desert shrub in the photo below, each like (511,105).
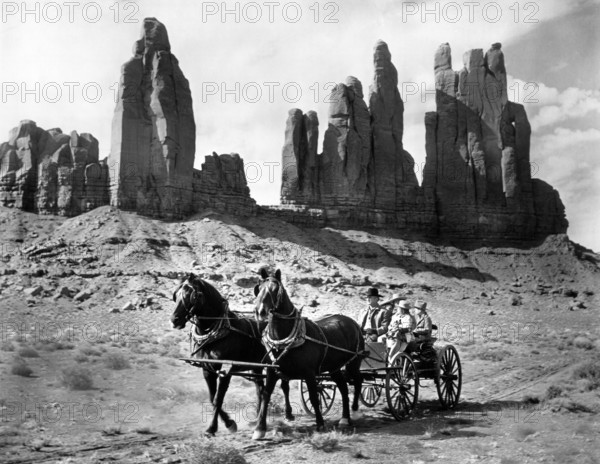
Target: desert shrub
(328,442)
(7,346)
(553,391)
(76,378)
(81,358)
(589,371)
(89,351)
(28,352)
(209,452)
(20,367)
(491,354)
(116,361)
(583,342)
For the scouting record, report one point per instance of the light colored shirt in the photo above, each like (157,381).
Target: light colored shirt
(424,325)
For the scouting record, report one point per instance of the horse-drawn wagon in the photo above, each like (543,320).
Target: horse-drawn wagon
(325,355)
(399,379)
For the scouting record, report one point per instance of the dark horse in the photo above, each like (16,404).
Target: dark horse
(222,335)
(303,349)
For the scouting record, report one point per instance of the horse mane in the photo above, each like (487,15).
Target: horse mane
(214,297)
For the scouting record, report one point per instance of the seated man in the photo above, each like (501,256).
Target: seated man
(424,326)
(400,330)
(375,319)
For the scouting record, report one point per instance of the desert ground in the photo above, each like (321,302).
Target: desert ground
(90,363)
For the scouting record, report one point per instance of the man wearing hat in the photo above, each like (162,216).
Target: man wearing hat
(424,326)
(375,319)
(400,330)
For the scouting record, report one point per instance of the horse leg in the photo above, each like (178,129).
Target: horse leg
(259,384)
(218,405)
(353,370)
(285,388)
(211,382)
(261,426)
(342,385)
(313,395)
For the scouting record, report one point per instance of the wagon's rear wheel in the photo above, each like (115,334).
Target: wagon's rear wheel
(448,377)
(370,394)
(402,386)
(326,392)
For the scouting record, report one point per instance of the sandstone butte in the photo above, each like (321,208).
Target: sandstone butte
(476,182)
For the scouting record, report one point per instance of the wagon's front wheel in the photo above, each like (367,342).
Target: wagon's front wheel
(448,377)
(326,392)
(402,386)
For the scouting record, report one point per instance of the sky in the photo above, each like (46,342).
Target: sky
(249,63)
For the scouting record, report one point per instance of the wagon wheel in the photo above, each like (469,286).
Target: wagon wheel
(402,386)
(326,392)
(370,394)
(448,377)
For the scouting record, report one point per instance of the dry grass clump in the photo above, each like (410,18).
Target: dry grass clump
(491,354)
(116,361)
(7,346)
(330,442)
(209,451)
(77,378)
(89,351)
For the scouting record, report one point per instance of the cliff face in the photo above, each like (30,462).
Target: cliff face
(153,130)
(476,180)
(49,172)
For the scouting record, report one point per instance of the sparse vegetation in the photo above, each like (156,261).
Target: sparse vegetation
(28,352)
(208,451)
(521,432)
(116,361)
(487,353)
(553,391)
(89,351)
(589,371)
(326,442)
(21,368)
(77,378)
(7,346)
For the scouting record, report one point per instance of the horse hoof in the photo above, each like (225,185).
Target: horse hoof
(344,423)
(209,434)
(290,417)
(258,434)
(232,428)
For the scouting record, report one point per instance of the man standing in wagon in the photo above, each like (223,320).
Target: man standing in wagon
(375,319)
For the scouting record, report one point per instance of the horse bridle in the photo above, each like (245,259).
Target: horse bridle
(294,314)
(188,311)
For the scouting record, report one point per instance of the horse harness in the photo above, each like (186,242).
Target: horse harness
(297,336)
(220,330)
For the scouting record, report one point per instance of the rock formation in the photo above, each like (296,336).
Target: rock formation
(153,130)
(363,163)
(154,137)
(221,185)
(476,180)
(477,173)
(50,172)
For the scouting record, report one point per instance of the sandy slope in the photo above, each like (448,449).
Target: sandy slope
(145,405)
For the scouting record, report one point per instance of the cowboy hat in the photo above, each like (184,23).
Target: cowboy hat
(404,305)
(420,305)
(373,292)
(395,297)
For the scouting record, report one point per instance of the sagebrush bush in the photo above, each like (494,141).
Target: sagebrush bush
(589,371)
(116,361)
(77,378)
(21,368)
(28,352)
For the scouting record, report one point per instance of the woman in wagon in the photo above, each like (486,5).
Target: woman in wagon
(375,319)
(400,330)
